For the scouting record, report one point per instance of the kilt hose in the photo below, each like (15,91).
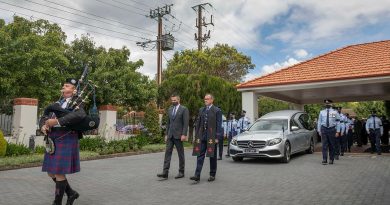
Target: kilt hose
(66,158)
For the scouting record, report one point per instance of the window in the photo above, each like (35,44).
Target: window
(269,124)
(304,121)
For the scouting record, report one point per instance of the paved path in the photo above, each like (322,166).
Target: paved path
(355,179)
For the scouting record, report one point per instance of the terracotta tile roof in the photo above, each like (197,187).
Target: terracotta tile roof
(351,62)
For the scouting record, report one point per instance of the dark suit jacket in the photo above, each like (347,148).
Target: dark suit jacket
(177,125)
(214,122)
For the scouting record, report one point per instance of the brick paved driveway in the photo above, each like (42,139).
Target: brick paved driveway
(355,179)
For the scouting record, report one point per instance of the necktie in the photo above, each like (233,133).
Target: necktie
(327,118)
(374,123)
(174,111)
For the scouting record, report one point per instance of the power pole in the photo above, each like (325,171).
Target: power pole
(201,22)
(163,42)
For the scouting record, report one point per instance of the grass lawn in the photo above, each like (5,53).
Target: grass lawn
(36,158)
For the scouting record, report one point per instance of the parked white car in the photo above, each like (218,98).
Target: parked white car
(275,135)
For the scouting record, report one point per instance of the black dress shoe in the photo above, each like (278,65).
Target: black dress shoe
(219,158)
(163,175)
(331,162)
(342,154)
(180,175)
(324,162)
(72,197)
(227,155)
(211,178)
(195,178)
(379,153)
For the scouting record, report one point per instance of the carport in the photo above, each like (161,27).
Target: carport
(350,74)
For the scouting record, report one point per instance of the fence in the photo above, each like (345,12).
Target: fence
(131,123)
(6,124)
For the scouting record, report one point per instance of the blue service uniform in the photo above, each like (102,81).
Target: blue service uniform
(230,130)
(349,127)
(339,146)
(375,129)
(243,124)
(327,126)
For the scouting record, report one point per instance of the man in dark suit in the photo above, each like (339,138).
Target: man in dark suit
(177,127)
(208,132)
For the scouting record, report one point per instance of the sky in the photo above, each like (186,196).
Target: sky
(274,33)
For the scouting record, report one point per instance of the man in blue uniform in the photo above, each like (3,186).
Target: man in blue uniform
(65,159)
(327,127)
(208,133)
(339,148)
(349,130)
(375,130)
(243,123)
(230,130)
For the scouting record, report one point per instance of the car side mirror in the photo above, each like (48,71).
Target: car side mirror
(294,128)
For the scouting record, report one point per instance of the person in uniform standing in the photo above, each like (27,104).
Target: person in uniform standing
(177,128)
(230,130)
(65,159)
(385,136)
(374,129)
(328,128)
(243,123)
(339,148)
(208,132)
(349,127)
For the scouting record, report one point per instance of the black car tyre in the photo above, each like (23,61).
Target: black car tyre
(237,159)
(287,153)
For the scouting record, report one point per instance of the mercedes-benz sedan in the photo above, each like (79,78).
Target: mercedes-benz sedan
(275,135)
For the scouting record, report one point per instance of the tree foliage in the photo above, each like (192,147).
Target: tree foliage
(192,89)
(363,109)
(267,105)
(151,122)
(35,59)
(221,61)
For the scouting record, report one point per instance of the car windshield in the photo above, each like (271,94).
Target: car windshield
(269,124)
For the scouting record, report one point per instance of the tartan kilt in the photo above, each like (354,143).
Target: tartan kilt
(66,158)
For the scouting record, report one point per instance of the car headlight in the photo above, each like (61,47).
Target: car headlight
(234,142)
(274,141)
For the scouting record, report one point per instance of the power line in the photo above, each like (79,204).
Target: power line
(113,5)
(119,2)
(74,21)
(136,27)
(83,16)
(96,32)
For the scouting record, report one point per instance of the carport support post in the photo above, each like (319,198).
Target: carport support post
(249,104)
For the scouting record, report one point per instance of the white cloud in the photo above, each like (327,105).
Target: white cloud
(266,69)
(301,53)
(297,24)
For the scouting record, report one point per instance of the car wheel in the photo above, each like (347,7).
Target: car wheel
(237,159)
(311,147)
(287,153)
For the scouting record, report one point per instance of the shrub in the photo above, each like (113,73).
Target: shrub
(17,149)
(3,145)
(141,141)
(92,144)
(40,150)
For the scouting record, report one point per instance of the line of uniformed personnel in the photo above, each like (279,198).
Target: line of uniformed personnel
(337,132)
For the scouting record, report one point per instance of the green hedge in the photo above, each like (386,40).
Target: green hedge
(100,145)
(17,150)
(3,145)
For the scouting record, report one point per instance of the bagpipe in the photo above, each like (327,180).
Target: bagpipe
(84,89)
